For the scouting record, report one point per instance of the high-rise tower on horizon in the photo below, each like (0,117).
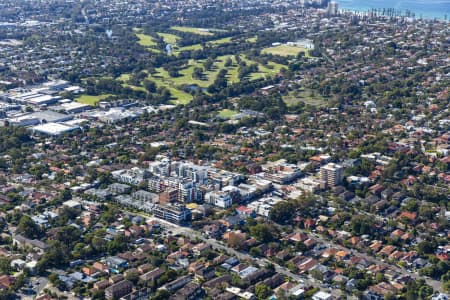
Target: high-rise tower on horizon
(332,8)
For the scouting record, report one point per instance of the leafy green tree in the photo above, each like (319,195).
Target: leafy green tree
(150,86)
(57,255)
(169,275)
(98,244)
(38,170)
(389,296)
(132,276)
(161,295)
(197,73)
(98,294)
(20,281)
(53,278)
(426,247)
(228,62)
(316,274)
(262,291)
(13,138)
(254,251)
(427,212)
(361,225)
(305,203)
(66,214)
(412,205)
(5,265)
(119,243)
(263,232)
(425,292)
(447,286)
(68,235)
(65,195)
(28,228)
(208,64)
(379,277)
(109,215)
(282,212)
(300,246)
(411,291)
(236,280)
(173,72)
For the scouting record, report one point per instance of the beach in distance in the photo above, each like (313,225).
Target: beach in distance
(421,8)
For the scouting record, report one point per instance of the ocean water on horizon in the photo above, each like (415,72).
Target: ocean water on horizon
(421,8)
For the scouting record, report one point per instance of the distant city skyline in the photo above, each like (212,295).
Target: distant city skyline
(426,9)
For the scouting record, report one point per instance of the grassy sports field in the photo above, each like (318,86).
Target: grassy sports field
(285,50)
(92,100)
(199,31)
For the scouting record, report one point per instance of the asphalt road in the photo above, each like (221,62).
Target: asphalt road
(32,288)
(176,229)
(188,232)
(39,284)
(436,285)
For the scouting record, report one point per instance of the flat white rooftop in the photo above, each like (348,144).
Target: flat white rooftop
(41,99)
(53,128)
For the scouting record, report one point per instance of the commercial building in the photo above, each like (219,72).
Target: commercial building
(219,198)
(263,206)
(155,184)
(53,129)
(196,173)
(134,176)
(177,214)
(51,116)
(71,107)
(161,167)
(36,99)
(332,8)
(187,192)
(39,117)
(332,174)
(310,184)
(280,172)
(145,196)
(116,114)
(168,196)
(56,85)
(119,188)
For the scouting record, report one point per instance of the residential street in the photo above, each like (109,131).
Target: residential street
(176,229)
